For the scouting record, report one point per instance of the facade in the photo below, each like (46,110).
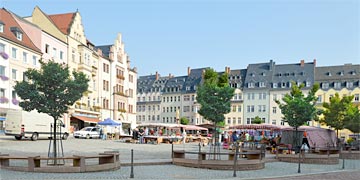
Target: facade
(344,80)
(282,78)
(18,53)
(61,38)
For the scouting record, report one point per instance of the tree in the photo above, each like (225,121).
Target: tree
(297,108)
(51,90)
(257,120)
(214,96)
(352,120)
(336,112)
(184,121)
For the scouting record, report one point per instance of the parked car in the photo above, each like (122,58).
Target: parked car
(88,132)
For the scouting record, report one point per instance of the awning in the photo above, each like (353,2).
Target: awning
(2,119)
(86,119)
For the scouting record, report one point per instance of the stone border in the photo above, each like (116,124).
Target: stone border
(109,160)
(309,158)
(350,155)
(253,161)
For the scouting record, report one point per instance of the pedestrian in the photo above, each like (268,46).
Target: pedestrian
(104,133)
(184,136)
(141,134)
(101,133)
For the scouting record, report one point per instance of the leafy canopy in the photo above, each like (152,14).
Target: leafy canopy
(184,121)
(51,89)
(353,119)
(297,108)
(338,112)
(214,96)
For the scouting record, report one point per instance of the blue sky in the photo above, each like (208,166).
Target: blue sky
(170,35)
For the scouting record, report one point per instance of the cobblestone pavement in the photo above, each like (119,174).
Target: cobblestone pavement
(155,153)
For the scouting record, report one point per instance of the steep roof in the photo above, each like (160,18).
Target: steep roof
(105,50)
(11,25)
(63,21)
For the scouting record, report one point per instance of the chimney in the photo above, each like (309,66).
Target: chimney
(271,64)
(302,62)
(203,74)
(228,70)
(169,75)
(314,62)
(157,76)
(189,70)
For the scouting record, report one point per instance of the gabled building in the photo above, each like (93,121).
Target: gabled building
(121,85)
(17,54)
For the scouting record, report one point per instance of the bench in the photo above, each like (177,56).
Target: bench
(249,155)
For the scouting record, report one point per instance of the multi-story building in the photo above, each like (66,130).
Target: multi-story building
(17,54)
(282,78)
(344,80)
(236,80)
(149,102)
(256,91)
(61,38)
(121,84)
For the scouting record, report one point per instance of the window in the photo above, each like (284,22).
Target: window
(13,94)
(282,122)
(25,57)
(325,85)
(186,108)
(319,99)
(275,85)
(47,48)
(356,97)
(251,85)
(105,85)
(186,97)
(13,74)
(274,110)
(337,85)
(262,84)
(234,120)
(54,53)
(1,27)
(19,35)
(273,122)
(2,92)
(106,68)
(349,85)
(233,108)
(2,70)
(61,55)
(13,53)
(239,108)
(2,47)
(34,60)
(275,97)
(308,83)
(239,120)
(248,120)
(73,56)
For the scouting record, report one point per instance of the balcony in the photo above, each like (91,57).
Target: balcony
(84,67)
(120,77)
(121,94)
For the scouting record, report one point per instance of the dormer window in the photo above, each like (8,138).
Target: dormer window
(353,72)
(261,84)
(349,85)
(341,73)
(302,73)
(263,74)
(275,85)
(17,32)
(329,73)
(283,84)
(308,83)
(325,85)
(1,27)
(251,85)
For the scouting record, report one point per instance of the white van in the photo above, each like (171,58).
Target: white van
(34,125)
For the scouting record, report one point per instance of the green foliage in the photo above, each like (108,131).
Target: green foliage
(352,119)
(257,120)
(298,109)
(51,89)
(214,96)
(336,113)
(184,121)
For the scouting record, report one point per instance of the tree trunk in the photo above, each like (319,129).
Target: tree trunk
(55,153)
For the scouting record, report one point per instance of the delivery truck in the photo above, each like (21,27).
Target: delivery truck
(33,125)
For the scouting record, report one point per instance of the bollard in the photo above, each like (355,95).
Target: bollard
(132,164)
(235,158)
(343,157)
(299,170)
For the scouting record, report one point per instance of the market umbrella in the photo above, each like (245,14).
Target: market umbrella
(109,122)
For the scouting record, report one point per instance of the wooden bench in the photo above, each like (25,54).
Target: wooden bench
(249,155)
